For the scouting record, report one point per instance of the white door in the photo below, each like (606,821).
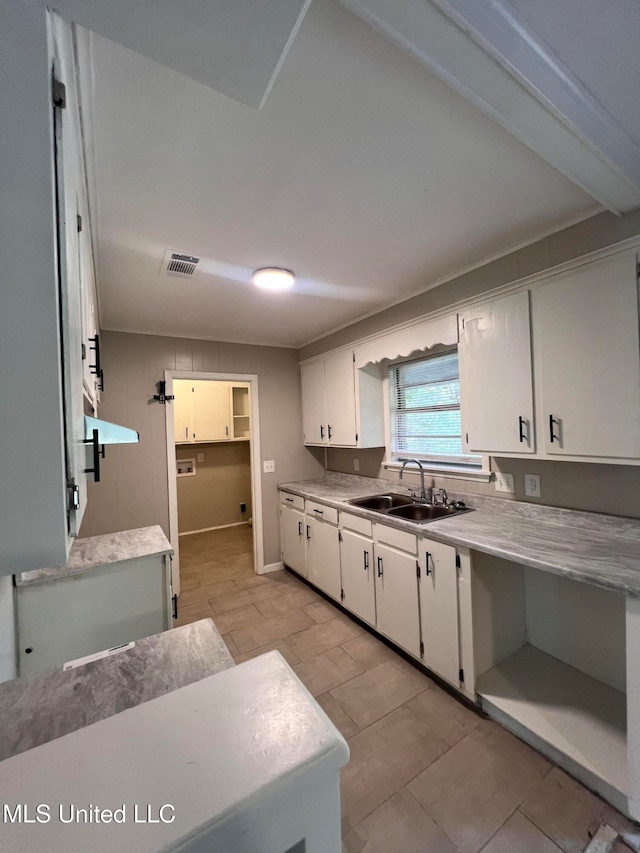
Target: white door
(358,576)
(314,409)
(183,410)
(496,387)
(397,598)
(212,411)
(292,538)
(438,586)
(585,332)
(323,556)
(341,399)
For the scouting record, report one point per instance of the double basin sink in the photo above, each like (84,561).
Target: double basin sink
(402,506)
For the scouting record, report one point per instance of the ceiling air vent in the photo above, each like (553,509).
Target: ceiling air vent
(181,266)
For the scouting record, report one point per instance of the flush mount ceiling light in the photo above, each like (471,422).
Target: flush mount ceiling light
(273,278)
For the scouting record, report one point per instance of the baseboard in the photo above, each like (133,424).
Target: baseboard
(272,567)
(218,527)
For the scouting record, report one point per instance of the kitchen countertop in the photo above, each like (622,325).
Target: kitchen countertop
(603,550)
(94,551)
(44,707)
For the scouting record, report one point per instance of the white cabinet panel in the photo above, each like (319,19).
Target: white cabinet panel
(292,538)
(585,334)
(212,411)
(314,408)
(496,387)
(358,576)
(323,556)
(438,588)
(397,598)
(341,399)
(183,411)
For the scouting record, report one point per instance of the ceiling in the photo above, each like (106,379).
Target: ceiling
(362,171)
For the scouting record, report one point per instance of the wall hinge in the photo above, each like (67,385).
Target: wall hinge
(421,650)
(58,93)
(79,222)
(417,569)
(458,563)
(339,535)
(461,676)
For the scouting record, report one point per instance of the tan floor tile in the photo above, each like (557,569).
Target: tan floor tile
(321,638)
(321,611)
(340,719)
(449,718)
(518,833)
(321,673)
(478,783)
(384,757)
(568,813)
(188,582)
(229,643)
(402,824)
(231,619)
(203,592)
(277,628)
(242,597)
(251,581)
(192,613)
(368,650)
(379,690)
(286,599)
(277,646)
(352,842)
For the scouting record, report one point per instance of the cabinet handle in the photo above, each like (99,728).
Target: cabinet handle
(521,424)
(366,560)
(175,606)
(289,500)
(95,368)
(379,567)
(321,431)
(97,453)
(427,557)
(226,430)
(329,431)
(553,422)
(319,511)
(186,432)
(308,532)
(299,528)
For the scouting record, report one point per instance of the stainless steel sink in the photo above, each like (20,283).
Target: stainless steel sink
(382,503)
(423,512)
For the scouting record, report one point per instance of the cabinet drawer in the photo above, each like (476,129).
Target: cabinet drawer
(295,501)
(356,523)
(326,513)
(397,538)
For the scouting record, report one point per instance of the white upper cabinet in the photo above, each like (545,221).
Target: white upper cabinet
(585,338)
(212,412)
(496,387)
(341,406)
(205,411)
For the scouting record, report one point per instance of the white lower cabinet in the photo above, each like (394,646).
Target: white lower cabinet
(323,550)
(397,598)
(438,594)
(358,575)
(292,533)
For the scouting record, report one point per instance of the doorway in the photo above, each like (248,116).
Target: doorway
(211,451)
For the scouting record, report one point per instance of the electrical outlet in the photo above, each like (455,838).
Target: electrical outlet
(505,483)
(269,466)
(532,485)
(243,507)
(200,457)
(356,464)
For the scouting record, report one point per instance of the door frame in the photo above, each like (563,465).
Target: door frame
(254,448)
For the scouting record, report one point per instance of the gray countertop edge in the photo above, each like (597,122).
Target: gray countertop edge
(101,551)
(593,548)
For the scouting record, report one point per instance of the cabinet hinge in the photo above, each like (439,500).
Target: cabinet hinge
(356,436)
(58,93)
(466,435)
(339,536)
(461,676)
(79,222)
(354,357)
(458,563)
(421,650)
(417,569)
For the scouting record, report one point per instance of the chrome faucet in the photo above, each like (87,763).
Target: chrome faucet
(442,493)
(423,494)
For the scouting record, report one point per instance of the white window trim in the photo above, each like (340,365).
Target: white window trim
(450,470)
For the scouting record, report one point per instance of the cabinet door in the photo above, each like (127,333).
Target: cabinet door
(496,387)
(438,588)
(183,410)
(587,360)
(212,406)
(323,556)
(292,538)
(314,409)
(398,617)
(341,399)
(358,577)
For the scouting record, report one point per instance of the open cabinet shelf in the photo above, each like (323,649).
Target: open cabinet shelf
(579,717)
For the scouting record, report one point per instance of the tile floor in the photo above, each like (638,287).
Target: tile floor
(426,775)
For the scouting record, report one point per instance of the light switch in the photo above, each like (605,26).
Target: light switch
(269,466)
(200,457)
(505,483)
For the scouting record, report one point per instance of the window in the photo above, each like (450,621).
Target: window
(425,411)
